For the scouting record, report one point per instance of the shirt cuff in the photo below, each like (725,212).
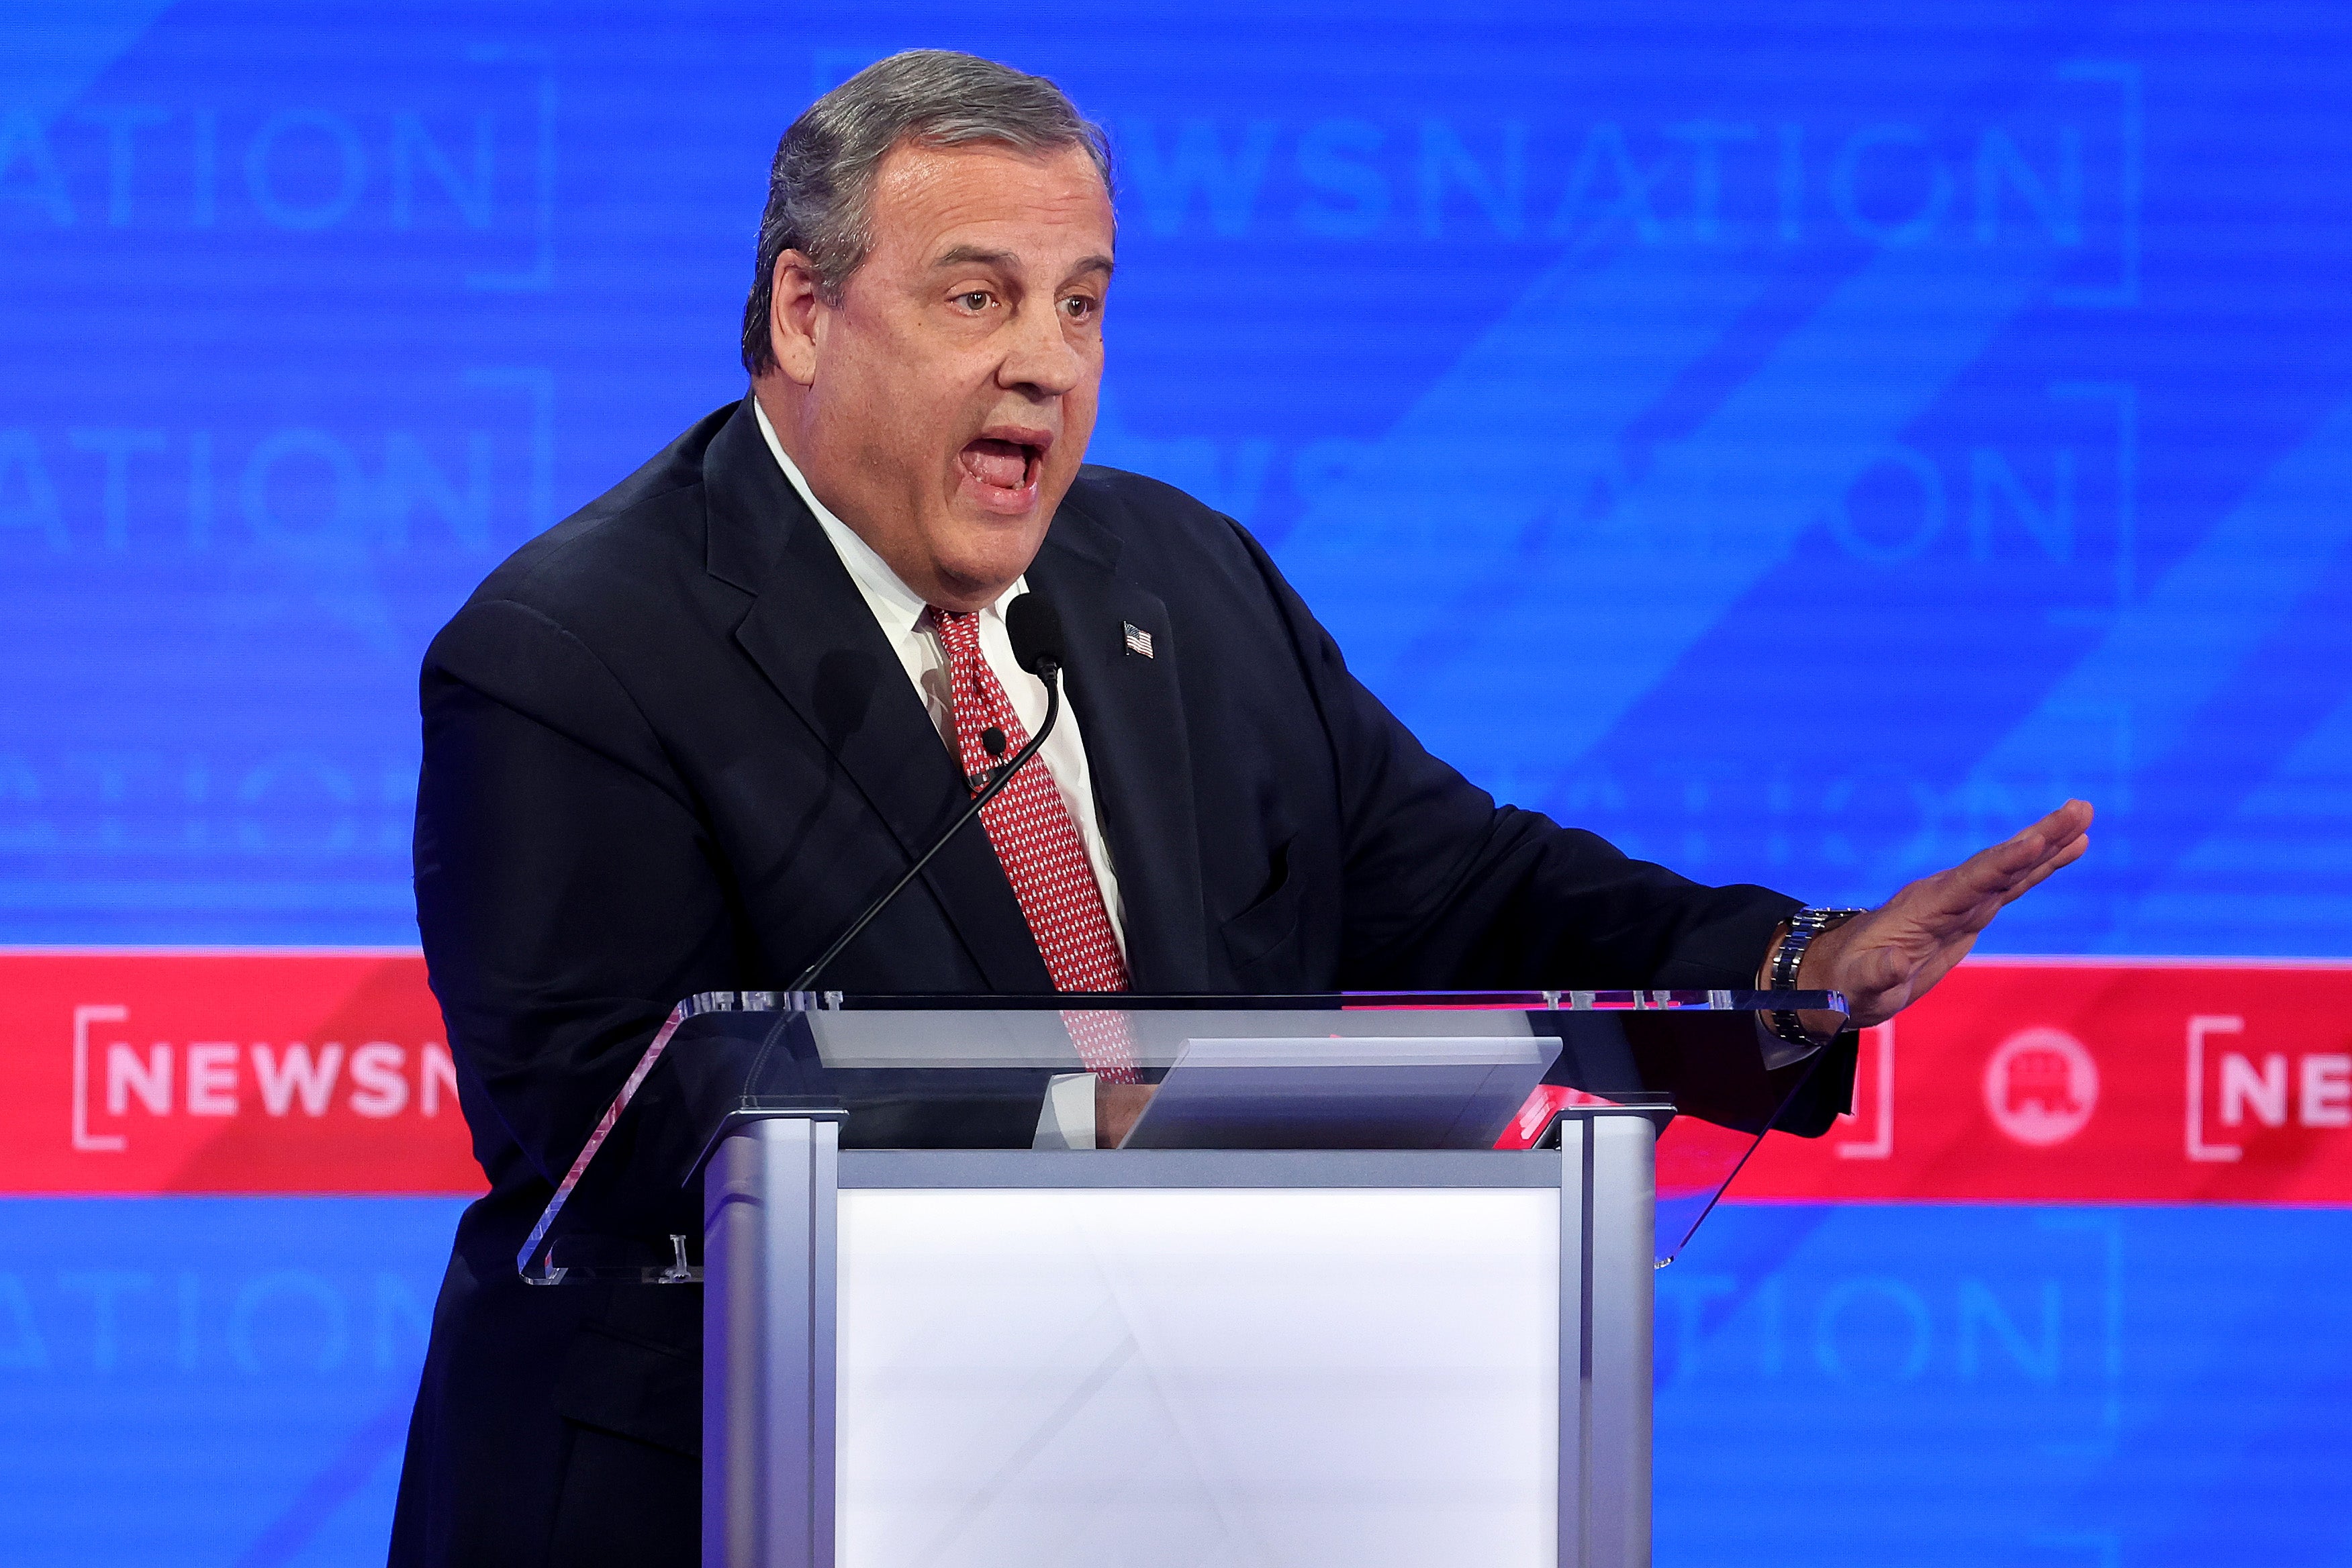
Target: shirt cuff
(1066,1120)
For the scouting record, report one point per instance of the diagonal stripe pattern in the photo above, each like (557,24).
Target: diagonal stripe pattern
(1029,826)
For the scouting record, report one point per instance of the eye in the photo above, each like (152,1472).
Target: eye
(975,300)
(1078,308)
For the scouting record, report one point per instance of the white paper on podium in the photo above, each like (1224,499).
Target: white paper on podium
(1141,1378)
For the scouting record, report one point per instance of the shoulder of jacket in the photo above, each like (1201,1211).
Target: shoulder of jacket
(650,526)
(1145,511)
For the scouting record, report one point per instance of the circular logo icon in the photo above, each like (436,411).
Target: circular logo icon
(2041,1086)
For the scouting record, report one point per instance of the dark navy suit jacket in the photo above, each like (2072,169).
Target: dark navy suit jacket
(668,750)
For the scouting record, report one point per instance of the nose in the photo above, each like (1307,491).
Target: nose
(1040,359)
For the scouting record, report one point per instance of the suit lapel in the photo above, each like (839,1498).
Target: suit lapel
(1138,750)
(811,635)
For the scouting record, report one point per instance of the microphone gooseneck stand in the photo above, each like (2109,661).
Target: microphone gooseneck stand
(1036,635)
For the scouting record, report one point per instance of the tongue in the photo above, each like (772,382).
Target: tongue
(998,463)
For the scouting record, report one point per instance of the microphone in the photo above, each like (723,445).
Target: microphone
(1036,628)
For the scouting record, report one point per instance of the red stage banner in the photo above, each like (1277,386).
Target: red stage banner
(252,1072)
(2078,1081)
(2016,1080)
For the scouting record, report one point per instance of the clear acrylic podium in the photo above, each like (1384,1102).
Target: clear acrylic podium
(1369,1282)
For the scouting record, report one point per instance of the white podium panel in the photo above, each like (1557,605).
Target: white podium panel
(1140,1377)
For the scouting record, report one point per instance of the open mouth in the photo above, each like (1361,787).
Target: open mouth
(1007,465)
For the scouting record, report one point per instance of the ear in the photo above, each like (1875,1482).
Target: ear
(793,316)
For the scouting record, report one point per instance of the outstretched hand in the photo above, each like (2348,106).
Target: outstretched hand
(1886,960)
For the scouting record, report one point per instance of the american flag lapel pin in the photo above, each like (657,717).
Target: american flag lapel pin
(1138,640)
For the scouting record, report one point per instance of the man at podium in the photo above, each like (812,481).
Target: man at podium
(683,740)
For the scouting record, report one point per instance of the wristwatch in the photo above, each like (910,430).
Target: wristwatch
(1804,926)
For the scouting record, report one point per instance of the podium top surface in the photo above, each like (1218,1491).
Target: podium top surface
(1456,1070)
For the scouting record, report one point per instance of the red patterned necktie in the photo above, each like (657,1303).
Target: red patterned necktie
(1039,845)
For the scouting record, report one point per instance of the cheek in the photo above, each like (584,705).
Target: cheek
(1077,425)
(1076,433)
(905,392)
(935,403)
(898,424)
(859,387)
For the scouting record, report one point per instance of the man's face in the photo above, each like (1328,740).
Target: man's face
(949,396)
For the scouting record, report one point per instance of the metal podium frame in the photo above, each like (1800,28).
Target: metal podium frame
(771,1193)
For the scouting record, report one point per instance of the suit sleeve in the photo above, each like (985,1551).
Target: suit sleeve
(566,892)
(1445,889)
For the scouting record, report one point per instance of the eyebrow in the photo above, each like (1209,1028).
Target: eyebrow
(977,256)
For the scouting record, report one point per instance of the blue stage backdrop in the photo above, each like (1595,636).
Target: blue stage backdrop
(1798,441)
(1797,448)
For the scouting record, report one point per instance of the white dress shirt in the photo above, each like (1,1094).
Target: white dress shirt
(1066,1121)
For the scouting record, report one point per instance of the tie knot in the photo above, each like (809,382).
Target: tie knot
(957,628)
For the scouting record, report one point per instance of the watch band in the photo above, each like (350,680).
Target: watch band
(1804,926)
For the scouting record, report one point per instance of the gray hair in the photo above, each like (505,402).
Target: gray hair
(821,186)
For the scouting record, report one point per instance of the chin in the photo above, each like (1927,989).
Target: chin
(989,565)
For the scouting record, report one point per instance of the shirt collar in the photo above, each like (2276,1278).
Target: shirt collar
(898,607)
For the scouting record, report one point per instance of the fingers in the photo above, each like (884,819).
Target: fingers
(1974,915)
(1967,897)
(2057,834)
(2044,871)
(1961,901)
(2067,829)
(1898,951)
(2061,827)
